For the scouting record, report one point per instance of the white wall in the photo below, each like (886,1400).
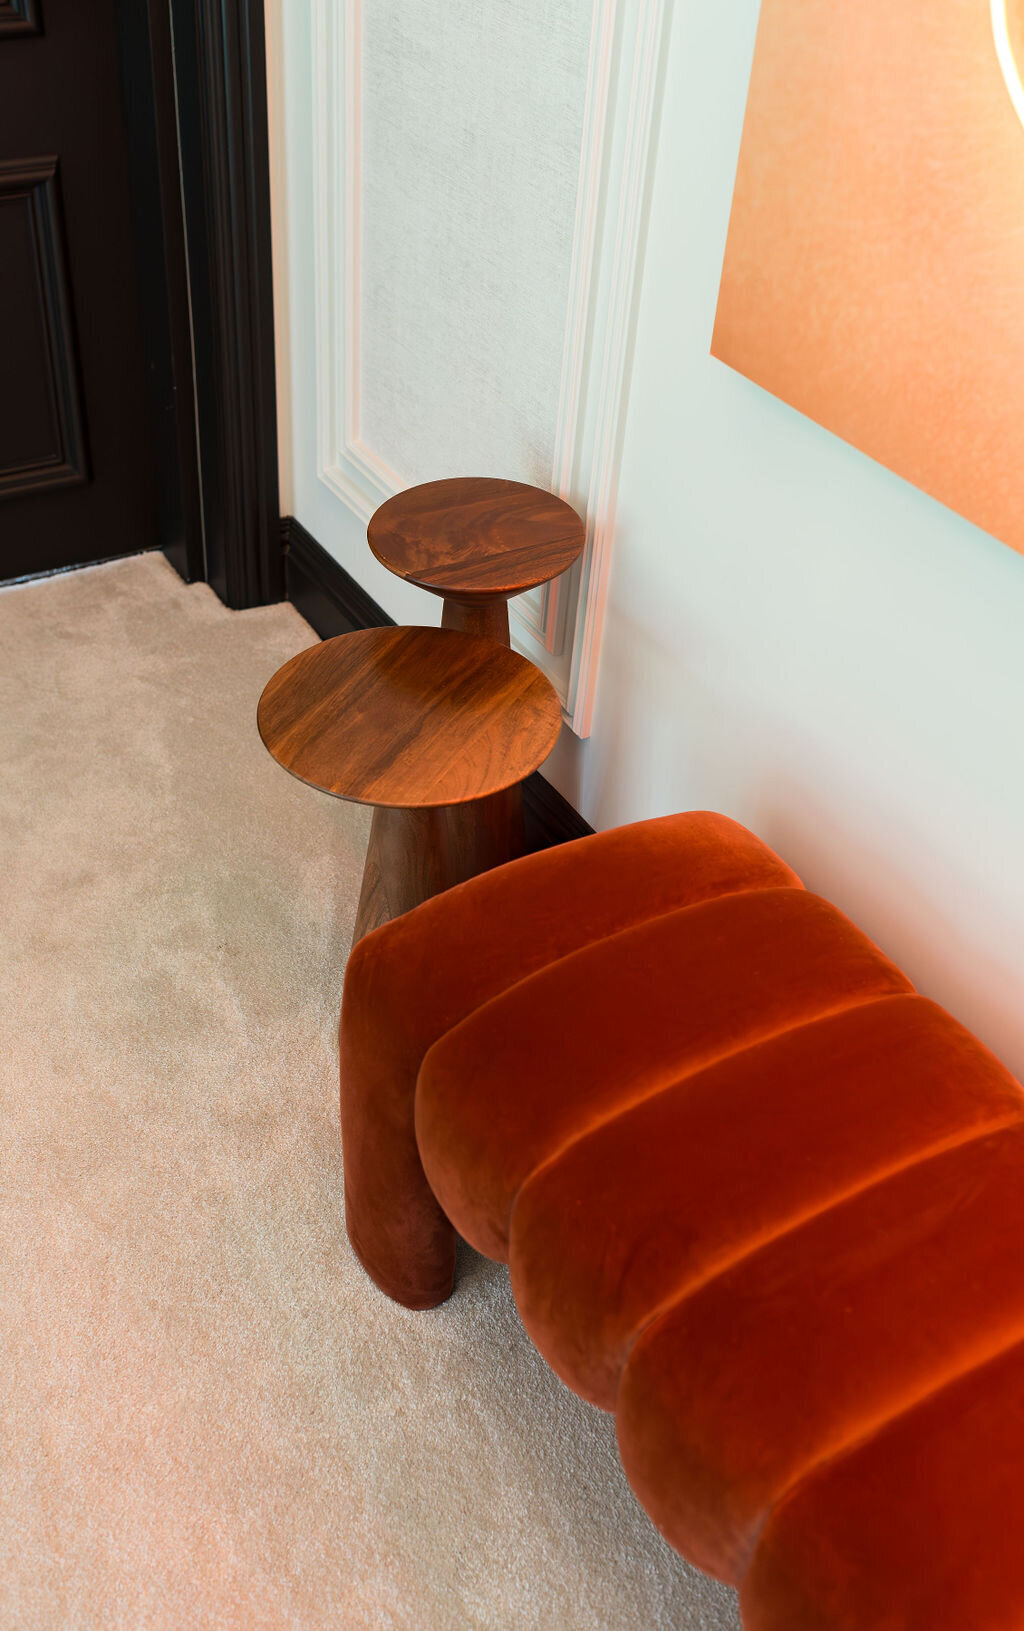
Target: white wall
(793,635)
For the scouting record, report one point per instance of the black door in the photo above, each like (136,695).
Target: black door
(76,447)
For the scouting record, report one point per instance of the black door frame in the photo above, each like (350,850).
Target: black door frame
(221,72)
(148,93)
(194,77)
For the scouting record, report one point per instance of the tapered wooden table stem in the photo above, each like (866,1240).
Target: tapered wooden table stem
(408,859)
(486,833)
(476,542)
(486,618)
(413,854)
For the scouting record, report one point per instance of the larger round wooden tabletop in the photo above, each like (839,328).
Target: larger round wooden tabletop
(409,718)
(476,536)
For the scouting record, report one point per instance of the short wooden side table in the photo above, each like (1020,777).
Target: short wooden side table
(414,721)
(477,542)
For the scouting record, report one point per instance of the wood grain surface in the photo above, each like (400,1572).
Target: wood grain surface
(408,859)
(488,618)
(413,854)
(409,717)
(474,536)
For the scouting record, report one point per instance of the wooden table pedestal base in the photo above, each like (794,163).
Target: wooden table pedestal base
(413,854)
(487,618)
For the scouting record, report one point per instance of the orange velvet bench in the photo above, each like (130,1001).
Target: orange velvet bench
(757,1197)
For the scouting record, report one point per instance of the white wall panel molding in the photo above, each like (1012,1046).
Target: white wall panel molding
(356,475)
(559,629)
(626,52)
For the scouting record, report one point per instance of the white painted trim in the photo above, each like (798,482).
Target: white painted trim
(351,470)
(617,286)
(352,170)
(588,203)
(529,613)
(552,630)
(559,625)
(1007,60)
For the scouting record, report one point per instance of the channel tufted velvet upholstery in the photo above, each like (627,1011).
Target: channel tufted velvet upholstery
(411,981)
(757,1197)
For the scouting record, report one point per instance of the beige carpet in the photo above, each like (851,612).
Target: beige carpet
(209,1416)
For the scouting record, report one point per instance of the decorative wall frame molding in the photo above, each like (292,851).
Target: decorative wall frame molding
(31,185)
(20,17)
(557,626)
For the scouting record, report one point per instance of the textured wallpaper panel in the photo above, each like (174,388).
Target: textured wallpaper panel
(472,125)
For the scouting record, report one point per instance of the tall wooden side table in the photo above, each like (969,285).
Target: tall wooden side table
(414,721)
(476,541)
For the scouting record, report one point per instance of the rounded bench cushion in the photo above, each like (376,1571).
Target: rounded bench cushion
(594,1033)
(410,981)
(757,1196)
(749,1384)
(919,1528)
(663,1197)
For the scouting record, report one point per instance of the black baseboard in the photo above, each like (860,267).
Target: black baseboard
(327,596)
(332,602)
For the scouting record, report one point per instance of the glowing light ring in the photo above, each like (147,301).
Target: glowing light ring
(1007,61)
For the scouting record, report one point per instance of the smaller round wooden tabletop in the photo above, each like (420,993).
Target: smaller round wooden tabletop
(409,718)
(474,536)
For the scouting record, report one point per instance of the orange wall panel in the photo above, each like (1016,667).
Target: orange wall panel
(874,270)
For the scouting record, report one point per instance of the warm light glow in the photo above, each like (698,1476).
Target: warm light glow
(1007,61)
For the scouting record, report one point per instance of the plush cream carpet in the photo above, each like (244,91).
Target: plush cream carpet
(210,1417)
